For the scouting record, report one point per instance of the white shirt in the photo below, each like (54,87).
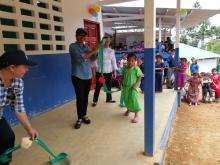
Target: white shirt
(109,61)
(123,62)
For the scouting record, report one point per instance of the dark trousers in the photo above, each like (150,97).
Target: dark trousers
(82,88)
(207,89)
(7,138)
(158,82)
(108,82)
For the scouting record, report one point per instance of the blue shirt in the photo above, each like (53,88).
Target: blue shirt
(194,68)
(12,96)
(81,68)
(171,61)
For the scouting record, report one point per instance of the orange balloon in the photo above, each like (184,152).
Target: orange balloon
(91,10)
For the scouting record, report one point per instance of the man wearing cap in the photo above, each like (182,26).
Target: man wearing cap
(13,66)
(81,56)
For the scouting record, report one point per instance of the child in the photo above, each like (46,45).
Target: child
(159,65)
(193,90)
(215,83)
(194,67)
(130,85)
(142,79)
(207,92)
(182,73)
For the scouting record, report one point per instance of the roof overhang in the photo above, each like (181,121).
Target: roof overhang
(128,16)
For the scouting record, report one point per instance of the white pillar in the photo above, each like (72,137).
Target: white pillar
(149,23)
(178,7)
(160,22)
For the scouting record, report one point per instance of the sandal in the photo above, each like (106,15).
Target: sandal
(94,104)
(86,120)
(78,124)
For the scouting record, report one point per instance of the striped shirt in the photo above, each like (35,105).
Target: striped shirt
(12,96)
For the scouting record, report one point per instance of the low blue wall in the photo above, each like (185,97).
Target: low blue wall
(47,85)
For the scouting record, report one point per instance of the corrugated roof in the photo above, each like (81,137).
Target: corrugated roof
(189,52)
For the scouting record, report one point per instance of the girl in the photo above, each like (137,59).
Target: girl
(193,90)
(194,67)
(13,66)
(131,81)
(182,73)
(109,70)
(215,85)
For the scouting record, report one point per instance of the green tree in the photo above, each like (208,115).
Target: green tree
(213,46)
(183,39)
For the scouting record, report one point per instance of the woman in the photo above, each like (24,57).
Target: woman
(81,74)
(109,68)
(13,66)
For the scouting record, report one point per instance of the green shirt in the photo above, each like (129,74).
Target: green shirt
(131,75)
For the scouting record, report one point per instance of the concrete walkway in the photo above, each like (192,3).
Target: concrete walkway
(111,139)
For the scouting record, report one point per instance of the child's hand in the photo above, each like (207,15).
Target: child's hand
(134,86)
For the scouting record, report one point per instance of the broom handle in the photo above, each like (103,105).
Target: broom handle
(44,146)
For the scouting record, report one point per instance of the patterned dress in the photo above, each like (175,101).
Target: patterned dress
(129,94)
(216,87)
(193,90)
(182,75)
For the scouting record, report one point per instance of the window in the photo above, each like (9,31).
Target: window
(45,37)
(45,26)
(44,16)
(60,47)
(30,47)
(26,12)
(55,8)
(10,47)
(5,8)
(58,19)
(47,47)
(26,1)
(42,5)
(28,24)
(58,28)
(59,38)
(29,36)
(8,22)
(9,34)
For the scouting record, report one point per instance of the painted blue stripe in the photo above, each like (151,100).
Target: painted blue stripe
(176,61)
(169,124)
(149,101)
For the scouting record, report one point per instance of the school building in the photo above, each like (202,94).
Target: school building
(44,29)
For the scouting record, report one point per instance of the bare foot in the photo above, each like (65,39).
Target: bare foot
(127,113)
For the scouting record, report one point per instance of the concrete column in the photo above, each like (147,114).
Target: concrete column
(178,7)
(160,22)
(149,79)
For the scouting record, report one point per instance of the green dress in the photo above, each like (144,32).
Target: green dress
(129,94)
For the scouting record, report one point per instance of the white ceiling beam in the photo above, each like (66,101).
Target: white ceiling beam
(119,14)
(109,2)
(132,18)
(122,18)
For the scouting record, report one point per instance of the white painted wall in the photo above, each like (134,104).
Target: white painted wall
(74,12)
(206,65)
(129,38)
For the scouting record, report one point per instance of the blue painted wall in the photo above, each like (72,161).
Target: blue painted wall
(47,85)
